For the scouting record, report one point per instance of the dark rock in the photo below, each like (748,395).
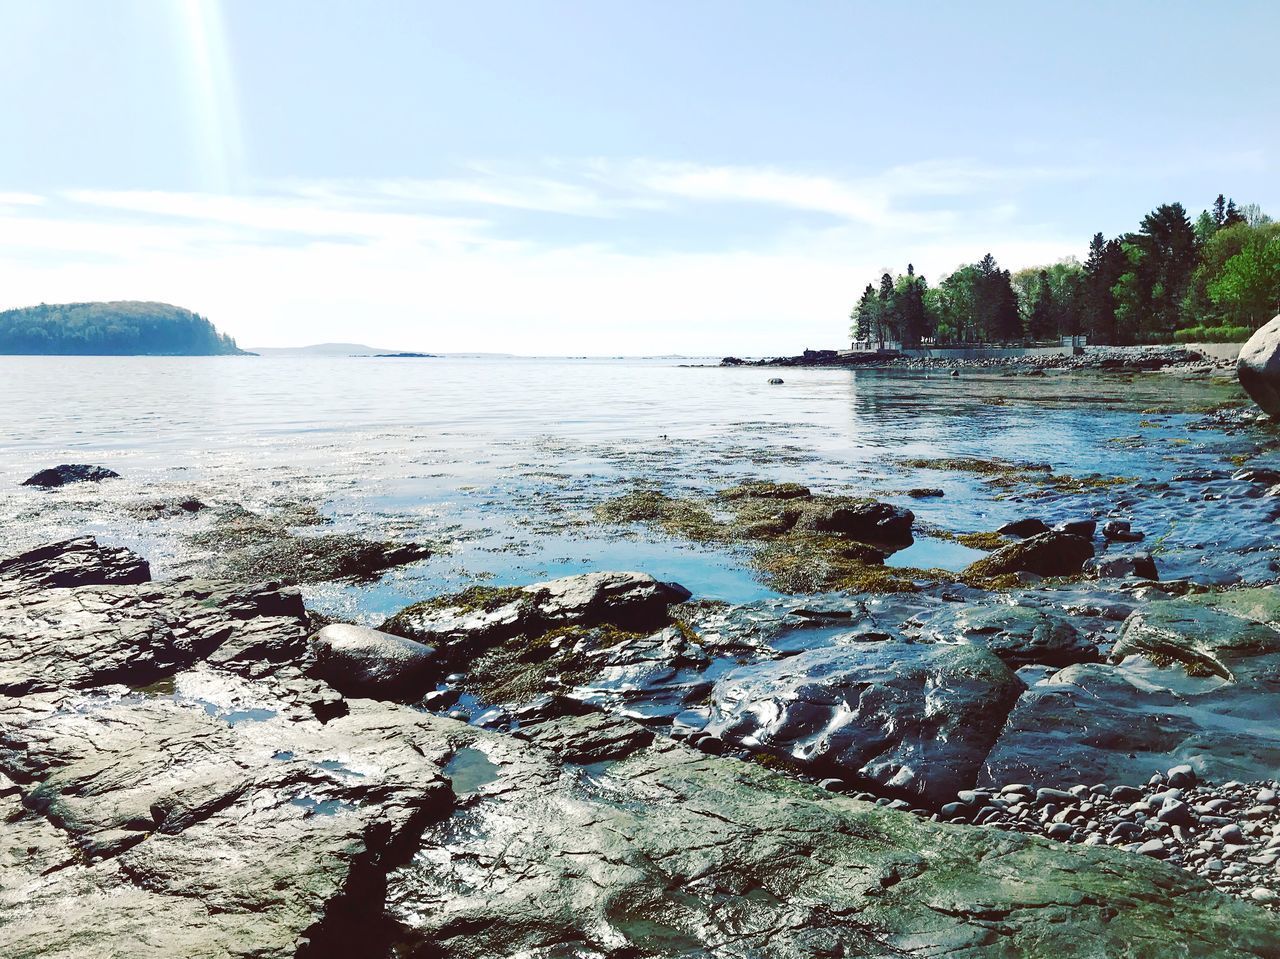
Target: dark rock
(1045,554)
(1023,528)
(70,473)
(1122,566)
(73,562)
(925,492)
(1120,531)
(1019,635)
(1257,474)
(917,719)
(775,381)
(871,521)
(1079,527)
(358,661)
(1258,367)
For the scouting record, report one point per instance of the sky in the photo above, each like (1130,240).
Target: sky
(599,178)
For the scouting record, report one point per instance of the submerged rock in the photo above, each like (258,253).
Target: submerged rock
(1045,554)
(70,473)
(1258,367)
(917,719)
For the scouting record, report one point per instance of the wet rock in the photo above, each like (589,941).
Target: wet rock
(914,718)
(871,521)
(674,852)
(1123,565)
(590,738)
(358,661)
(1190,680)
(1120,531)
(1258,367)
(70,473)
(167,509)
(925,492)
(1079,527)
(73,562)
(1023,528)
(1045,554)
(1019,635)
(483,615)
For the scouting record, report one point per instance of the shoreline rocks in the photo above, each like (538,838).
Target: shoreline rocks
(70,473)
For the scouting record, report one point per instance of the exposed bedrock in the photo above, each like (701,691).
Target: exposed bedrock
(1193,680)
(216,812)
(67,473)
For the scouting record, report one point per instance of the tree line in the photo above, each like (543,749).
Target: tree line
(1171,280)
(110,329)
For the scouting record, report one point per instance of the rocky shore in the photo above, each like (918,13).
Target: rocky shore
(1122,359)
(181,775)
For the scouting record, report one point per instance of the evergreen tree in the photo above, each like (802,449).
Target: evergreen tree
(1232,215)
(1043,323)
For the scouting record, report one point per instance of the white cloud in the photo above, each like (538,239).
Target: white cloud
(434,265)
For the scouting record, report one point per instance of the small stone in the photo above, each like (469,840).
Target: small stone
(1155,848)
(1262,894)
(1182,776)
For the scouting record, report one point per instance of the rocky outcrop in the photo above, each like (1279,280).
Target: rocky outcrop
(1191,682)
(73,562)
(107,631)
(215,815)
(664,852)
(70,473)
(916,719)
(630,601)
(1258,367)
(1045,554)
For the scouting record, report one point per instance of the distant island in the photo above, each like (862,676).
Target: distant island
(323,349)
(122,328)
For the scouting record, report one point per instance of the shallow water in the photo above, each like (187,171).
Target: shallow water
(498,462)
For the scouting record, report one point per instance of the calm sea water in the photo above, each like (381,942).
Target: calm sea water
(499,461)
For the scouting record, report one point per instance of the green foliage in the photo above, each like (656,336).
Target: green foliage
(1169,280)
(1213,334)
(110,329)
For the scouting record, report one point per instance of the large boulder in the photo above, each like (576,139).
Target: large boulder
(915,718)
(358,661)
(1258,367)
(626,600)
(1045,554)
(70,473)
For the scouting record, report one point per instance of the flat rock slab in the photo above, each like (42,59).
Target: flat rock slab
(671,853)
(182,834)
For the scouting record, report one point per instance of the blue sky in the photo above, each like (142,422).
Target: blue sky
(598,177)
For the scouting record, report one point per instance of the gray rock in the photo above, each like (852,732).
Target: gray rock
(913,718)
(1258,367)
(675,853)
(73,562)
(870,522)
(358,661)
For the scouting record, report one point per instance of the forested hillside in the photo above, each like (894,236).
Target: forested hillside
(124,328)
(1173,279)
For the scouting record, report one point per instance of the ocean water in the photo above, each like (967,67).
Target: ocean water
(498,462)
